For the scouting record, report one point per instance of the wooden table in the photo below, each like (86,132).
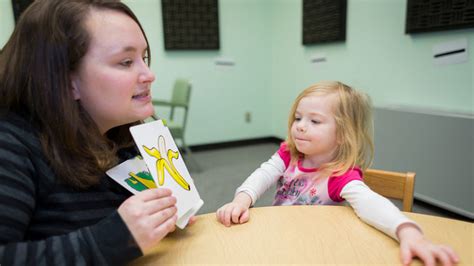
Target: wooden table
(283,235)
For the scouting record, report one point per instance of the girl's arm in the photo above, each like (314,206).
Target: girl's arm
(263,178)
(374,209)
(257,183)
(385,216)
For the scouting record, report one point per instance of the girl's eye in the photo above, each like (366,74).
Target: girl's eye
(297,118)
(126,63)
(145,59)
(315,122)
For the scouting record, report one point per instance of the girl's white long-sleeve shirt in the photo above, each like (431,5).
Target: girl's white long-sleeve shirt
(296,186)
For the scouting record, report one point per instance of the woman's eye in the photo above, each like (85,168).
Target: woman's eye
(315,122)
(126,63)
(145,59)
(297,118)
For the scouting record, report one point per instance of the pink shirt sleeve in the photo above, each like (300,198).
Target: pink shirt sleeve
(284,154)
(337,183)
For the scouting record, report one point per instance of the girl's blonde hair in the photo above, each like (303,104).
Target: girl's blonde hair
(354,127)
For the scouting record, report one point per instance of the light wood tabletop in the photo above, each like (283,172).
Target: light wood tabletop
(300,235)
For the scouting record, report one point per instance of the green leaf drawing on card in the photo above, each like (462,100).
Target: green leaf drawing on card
(140,181)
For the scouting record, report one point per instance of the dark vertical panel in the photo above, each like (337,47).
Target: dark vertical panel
(190,24)
(19,6)
(438,15)
(324,21)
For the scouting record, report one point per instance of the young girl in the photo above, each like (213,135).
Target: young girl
(329,145)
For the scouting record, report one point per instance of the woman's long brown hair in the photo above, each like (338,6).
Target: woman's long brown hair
(46,46)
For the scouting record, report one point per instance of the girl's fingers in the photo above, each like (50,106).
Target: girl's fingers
(227,214)
(406,255)
(219,215)
(450,252)
(425,255)
(235,215)
(245,217)
(443,257)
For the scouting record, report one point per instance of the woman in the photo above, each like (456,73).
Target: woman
(74,76)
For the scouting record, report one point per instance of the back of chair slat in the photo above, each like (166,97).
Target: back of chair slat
(394,185)
(181,93)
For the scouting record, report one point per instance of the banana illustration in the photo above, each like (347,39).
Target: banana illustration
(163,162)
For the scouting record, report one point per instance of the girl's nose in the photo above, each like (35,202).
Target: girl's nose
(300,127)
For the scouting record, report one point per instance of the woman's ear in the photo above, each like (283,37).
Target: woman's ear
(75,87)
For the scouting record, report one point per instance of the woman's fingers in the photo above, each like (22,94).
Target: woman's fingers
(164,228)
(149,215)
(156,219)
(153,206)
(153,193)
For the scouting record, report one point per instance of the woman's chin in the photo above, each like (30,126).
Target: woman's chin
(147,113)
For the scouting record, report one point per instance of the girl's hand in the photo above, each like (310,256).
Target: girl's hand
(149,215)
(413,244)
(236,212)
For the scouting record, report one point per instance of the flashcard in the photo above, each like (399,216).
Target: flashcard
(133,175)
(166,165)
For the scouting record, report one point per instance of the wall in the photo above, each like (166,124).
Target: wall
(272,66)
(377,57)
(437,146)
(6,21)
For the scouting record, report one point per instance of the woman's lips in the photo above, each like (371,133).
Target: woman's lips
(144,96)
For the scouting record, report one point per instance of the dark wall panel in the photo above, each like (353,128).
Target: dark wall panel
(190,24)
(437,15)
(19,6)
(324,21)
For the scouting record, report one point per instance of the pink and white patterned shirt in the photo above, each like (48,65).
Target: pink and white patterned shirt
(298,187)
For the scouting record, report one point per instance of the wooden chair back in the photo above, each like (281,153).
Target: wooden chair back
(395,185)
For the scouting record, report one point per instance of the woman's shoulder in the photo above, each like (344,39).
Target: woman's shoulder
(14,120)
(16,130)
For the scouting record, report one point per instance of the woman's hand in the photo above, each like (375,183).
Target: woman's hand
(414,244)
(149,215)
(236,212)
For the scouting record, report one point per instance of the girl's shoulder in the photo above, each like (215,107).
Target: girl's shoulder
(337,183)
(354,173)
(284,153)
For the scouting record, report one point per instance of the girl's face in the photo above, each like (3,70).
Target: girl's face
(113,80)
(314,128)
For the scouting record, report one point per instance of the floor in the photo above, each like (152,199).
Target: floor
(223,170)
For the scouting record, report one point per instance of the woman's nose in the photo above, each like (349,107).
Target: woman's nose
(146,75)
